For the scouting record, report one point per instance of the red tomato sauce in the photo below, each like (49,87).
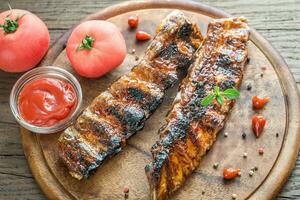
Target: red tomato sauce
(46,101)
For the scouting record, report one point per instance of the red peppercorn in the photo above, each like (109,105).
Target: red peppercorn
(259,102)
(261,151)
(258,124)
(133,21)
(126,189)
(230,173)
(141,36)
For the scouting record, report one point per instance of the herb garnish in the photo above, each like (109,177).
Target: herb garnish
(230,94)
(86,43)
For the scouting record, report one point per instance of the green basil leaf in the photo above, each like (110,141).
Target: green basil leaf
(208,99)
(220,99)
(231,93)
(217,90)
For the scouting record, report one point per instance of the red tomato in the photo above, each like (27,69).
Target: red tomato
(24,47)
(230,173)
(259,102)
(133,21)
(95,48)
(258,124)
(142,35)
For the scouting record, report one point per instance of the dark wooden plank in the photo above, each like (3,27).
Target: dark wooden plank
(263,14)
(18,187)
(292,187)
(10,143)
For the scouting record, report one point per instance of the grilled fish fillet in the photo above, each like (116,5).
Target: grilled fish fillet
(190,128)
(120,111)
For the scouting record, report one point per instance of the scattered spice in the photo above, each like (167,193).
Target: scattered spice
(216,165)
(142,35)
(203,192)
(245,155)
(240,174)
(277,134)
(133,21)
(258,124)
(259,102)
(126,195)
(230,173)
(225,134)
(234,196)
(244,135)
(136,58)
(263,67)
(251,172)
(261,75)
(248,60)
(261,151)
(126,189)
(126,192)
(249,87)
(255,168)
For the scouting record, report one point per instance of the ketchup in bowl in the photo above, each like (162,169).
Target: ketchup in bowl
(46,101)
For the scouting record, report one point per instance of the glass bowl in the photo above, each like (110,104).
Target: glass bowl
(46,72)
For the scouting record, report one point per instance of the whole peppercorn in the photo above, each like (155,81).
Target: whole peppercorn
(249,87)
(251,172)
(126,192)
(216,165)
(234,196)
(261,151)
(244,135)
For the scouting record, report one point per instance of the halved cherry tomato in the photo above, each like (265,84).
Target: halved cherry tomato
(259,102)
(258,124)
(24,40)
(95,47)
(230,173)
(133,21)
(142,35)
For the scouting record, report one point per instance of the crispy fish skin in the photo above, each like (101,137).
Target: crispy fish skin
(120,111)
(190,128)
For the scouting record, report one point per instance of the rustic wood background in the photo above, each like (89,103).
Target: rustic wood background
(278,21)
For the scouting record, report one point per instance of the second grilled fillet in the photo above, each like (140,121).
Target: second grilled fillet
(191,129)
(120,111)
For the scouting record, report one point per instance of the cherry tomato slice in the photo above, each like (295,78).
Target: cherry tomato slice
(142,35)
(258,124)
(259,102)
(133,21)
(230,173)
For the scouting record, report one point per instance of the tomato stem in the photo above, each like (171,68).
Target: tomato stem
(86,43)
(10,25)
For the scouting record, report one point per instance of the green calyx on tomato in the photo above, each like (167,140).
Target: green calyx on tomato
(86,43)
(10,25)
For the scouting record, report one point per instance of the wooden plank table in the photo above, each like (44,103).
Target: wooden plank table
(278,21)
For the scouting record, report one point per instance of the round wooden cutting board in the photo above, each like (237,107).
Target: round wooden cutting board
(266,72)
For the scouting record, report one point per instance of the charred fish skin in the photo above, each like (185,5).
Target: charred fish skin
(120,111)
(190,128)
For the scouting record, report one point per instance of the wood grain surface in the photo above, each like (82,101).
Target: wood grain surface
(277,22)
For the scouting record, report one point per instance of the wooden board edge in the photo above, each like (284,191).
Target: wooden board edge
(291,144)
(288,155)
(41,172)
